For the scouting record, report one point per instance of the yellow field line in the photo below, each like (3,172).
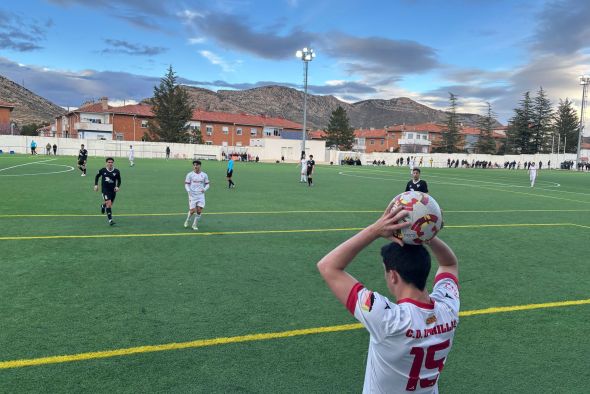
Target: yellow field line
(58,215)
(249,338)
(528,307)
(253,232)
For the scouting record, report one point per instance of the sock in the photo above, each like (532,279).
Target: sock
(110,214)
(84,171)
(229,183)
(309,181)
(189,216)
(197,217)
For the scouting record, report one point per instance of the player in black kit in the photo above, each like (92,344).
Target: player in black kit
(82,159)
(111,181)
(416,184)
(310,170)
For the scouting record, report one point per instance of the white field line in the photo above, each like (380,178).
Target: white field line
(42,162)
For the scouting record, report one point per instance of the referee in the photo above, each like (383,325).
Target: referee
(416,184)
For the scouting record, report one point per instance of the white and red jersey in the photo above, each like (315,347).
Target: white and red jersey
(195,183)
(410,340)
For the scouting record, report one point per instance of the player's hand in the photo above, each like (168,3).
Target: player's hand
(391,221)
(95,188)
(116,189)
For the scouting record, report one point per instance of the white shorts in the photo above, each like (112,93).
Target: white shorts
(196,201)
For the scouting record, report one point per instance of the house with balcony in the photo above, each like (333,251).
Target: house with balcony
(415,138)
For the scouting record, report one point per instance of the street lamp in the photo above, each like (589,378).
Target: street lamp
(584,81)
(306,55)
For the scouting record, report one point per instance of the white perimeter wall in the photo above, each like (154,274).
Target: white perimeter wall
(271,149)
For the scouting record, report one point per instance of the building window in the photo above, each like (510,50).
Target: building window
(225,129)
(144,124)
(118,136)
(209,130)
(382,141)
(372,142)
(267,133)
(253,132)
(410,136)
(208,142)
(277,132)
(239,131)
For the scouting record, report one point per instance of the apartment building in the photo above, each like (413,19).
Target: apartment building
(131,123)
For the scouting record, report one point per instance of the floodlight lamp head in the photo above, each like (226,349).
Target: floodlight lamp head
(299,54)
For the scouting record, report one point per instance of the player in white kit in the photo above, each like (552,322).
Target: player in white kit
(303,163)
(131,155)
(532,173)
(196,184)
(411,338)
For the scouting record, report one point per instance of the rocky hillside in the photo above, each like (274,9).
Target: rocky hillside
(29,108)
(286,102)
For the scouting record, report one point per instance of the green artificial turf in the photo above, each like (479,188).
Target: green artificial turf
(255,273)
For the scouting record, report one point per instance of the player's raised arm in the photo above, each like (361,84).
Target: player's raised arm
(445,257)
(332,266)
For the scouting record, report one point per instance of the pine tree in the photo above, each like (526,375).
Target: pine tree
(172,109)
(567,125)
(519,133)
(339,133)
(450,135)
(542,123)
(486,143)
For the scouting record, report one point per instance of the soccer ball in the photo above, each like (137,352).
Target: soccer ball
(425,217)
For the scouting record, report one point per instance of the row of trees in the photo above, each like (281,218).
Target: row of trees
(534,128)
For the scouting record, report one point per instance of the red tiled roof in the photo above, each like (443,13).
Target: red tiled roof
(6,104)
(317,134)
(374,133)
(95,108)
(470,131)
(134,109)
(244,119)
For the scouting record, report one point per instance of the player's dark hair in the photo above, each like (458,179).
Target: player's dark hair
(416,169)
(109,158)
(411,262)
(197,162)
(311,156)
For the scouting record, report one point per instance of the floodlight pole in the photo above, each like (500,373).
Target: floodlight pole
(584,81)
(306,55)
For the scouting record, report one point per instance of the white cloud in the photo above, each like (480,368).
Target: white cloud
(218,61)
(189,15)
(196,40)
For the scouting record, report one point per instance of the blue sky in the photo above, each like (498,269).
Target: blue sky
(73,50)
